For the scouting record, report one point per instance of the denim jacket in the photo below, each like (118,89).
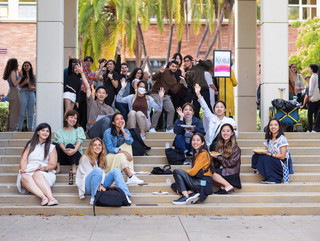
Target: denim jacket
(113,143)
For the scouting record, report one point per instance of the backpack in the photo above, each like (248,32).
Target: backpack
(111,197)
(175,156)
(139,148)
(166,170)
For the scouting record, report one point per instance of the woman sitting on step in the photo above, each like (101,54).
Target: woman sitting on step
(195,183)
(272,162)
(91,176)
(183,133)
(228,160)
(69,141)
(118,141)
(140,106)
(37,166)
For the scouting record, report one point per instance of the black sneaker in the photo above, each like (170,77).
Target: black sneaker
(193,198)
(181,201)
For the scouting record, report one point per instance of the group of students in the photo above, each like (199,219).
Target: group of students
(22,94)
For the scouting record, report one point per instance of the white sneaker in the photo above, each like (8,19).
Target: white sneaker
(91,201)
(128,199)
(143,137)
(132,171)
(134,180)
(152,130)
(169,131)
(193,198)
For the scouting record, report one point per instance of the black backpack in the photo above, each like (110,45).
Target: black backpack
(111,197)
(166,170)
(175,156)
(139,148)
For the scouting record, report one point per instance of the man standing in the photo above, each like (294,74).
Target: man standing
(165,79)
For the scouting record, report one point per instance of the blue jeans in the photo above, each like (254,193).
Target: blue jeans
(123,108)
(98,129)
(27,102)
(94,178)
(180,143)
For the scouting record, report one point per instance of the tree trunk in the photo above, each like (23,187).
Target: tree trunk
(217,31)
(169,43)
(143,45)
(179,46)
(202,40)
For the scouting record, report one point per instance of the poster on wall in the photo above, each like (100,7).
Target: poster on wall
(222,63)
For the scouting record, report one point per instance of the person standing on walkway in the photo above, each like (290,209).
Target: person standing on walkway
(11,75)
(165,79)
(27,95)
(91,176)
(314,100)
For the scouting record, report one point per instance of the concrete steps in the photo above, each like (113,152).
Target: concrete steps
(300,197)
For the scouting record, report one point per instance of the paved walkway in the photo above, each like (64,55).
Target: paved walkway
(164,228)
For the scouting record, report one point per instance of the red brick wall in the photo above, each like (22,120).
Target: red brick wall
(20,40)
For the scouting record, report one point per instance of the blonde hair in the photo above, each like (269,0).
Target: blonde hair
(102,156)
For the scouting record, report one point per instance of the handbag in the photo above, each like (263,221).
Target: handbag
(175,156)
(166,170)
(111,197)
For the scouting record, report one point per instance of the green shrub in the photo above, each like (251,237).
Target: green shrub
(4,109)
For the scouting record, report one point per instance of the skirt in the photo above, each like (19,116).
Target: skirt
(270,168)
(233,179)
(70,96)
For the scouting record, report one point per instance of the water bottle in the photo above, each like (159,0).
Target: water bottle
(285,173)
(70,177)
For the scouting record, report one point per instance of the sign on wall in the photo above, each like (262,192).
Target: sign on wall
(222,63)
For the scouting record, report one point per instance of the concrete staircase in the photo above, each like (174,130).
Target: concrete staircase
(300,197)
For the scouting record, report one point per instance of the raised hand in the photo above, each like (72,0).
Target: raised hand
(161,93)
(163,68)
(180,113)
(123,83)
(102,64)
(197,89)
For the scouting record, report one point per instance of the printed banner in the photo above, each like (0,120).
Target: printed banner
(222,63)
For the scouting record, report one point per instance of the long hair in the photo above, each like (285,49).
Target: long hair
(102,156)
(112,126)
(35,140)
(12,65)
(226,148)
(203,148)
(24,73)
(72,63)
(268,135)
(132,76)
(71,113)
(175,58)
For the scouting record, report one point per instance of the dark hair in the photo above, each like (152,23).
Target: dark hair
(31,76)
(268,135)
(314,68)
(204,147)
(101,60)
(307,77)
(124,63)
(187,104)
(132,75)
(175,58)
(188,57)
(112,126)
(100,87)
(12,65)
(88,57)
(72,63)
(209,65)
(145,84)
(71,113)
(226,148)
(35,140)
(173,62)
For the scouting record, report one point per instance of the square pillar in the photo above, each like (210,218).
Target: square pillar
(246,58)
(50,43)
(70,29)
(274,54)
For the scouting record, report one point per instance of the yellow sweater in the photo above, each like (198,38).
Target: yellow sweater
(202,162)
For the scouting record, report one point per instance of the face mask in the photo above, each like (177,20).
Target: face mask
(141,90)
(188,118)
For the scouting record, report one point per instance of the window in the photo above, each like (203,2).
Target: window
(4,10)
(302,9)
(27,9)
(18,10)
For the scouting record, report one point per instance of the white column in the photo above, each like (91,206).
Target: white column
(245,54)
(50,62)
(13,6)
(274,54)
(70,29)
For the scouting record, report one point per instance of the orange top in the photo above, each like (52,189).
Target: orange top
(202,162)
